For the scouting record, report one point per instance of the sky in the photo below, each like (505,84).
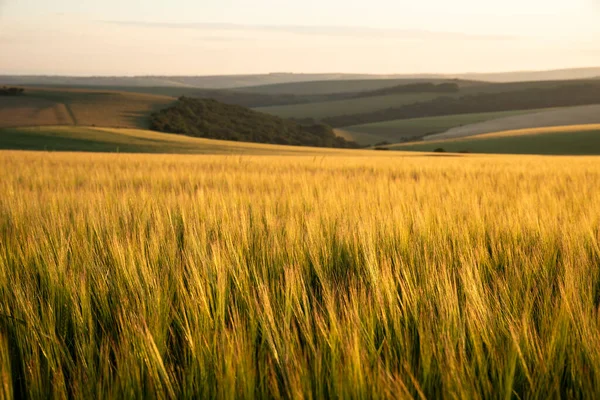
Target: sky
(217,37)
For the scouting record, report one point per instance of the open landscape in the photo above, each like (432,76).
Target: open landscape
(373,221)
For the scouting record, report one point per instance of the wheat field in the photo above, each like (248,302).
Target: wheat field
(180,276)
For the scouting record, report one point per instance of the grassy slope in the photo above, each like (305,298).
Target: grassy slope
(370,104)
(398,130)
(342,107)
(342,86)
(564,116)
(80,107)
(137,141)
(564,140)
(152,276)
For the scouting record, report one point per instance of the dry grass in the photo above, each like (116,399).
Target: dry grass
(42,107)
(543,131)
(157,276)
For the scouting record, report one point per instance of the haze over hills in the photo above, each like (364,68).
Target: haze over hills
(246,81)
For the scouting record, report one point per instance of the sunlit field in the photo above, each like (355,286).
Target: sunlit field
(318,276)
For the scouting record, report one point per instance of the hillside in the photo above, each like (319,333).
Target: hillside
(39,107)
(562,140)
(203,82)
(345,86)
(112,140)
(253,82)
(401,130)
(214,120)
(352,102)
(580,93)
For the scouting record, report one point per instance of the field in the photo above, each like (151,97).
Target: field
(340,86)
(121,107)
(560,140)
(535,119)
(80,107)
(401,129)
(162,276)
(111,140)
(319,110)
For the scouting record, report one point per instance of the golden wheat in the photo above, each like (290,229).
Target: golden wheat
(146,276)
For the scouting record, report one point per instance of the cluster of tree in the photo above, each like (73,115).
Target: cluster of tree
(11,91)
(209,118)
(526,99)
(423,87)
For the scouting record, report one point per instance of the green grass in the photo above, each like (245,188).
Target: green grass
(340,86)
(397,130)
(134,141)
(321,110)
(545,141)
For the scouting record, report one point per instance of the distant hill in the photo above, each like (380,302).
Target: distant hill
(523,76)
(344,86)
(241,81)
(565,95)
(425,87)
(211,119)
(199,82)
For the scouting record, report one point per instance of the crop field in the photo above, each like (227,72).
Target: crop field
(326,109)
(397,130)
(548,118)
(559,140)
(40,107)
(343,86)
(248,276)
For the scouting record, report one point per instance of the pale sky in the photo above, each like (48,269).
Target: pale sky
(208,37)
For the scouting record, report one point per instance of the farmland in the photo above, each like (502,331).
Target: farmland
(176,276)
(319,110)
(369,111)
(560,140)
(563,116)
(402,129)
(65,106)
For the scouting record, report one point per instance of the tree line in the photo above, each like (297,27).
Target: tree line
(11,91)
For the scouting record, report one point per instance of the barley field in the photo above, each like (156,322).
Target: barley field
(180,276)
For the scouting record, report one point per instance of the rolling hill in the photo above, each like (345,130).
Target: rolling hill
(410,129)
(38,107)
(238,81)
(589,114)
(562,140)
(343,86)
(359,108)
(329,109)
(562,95)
